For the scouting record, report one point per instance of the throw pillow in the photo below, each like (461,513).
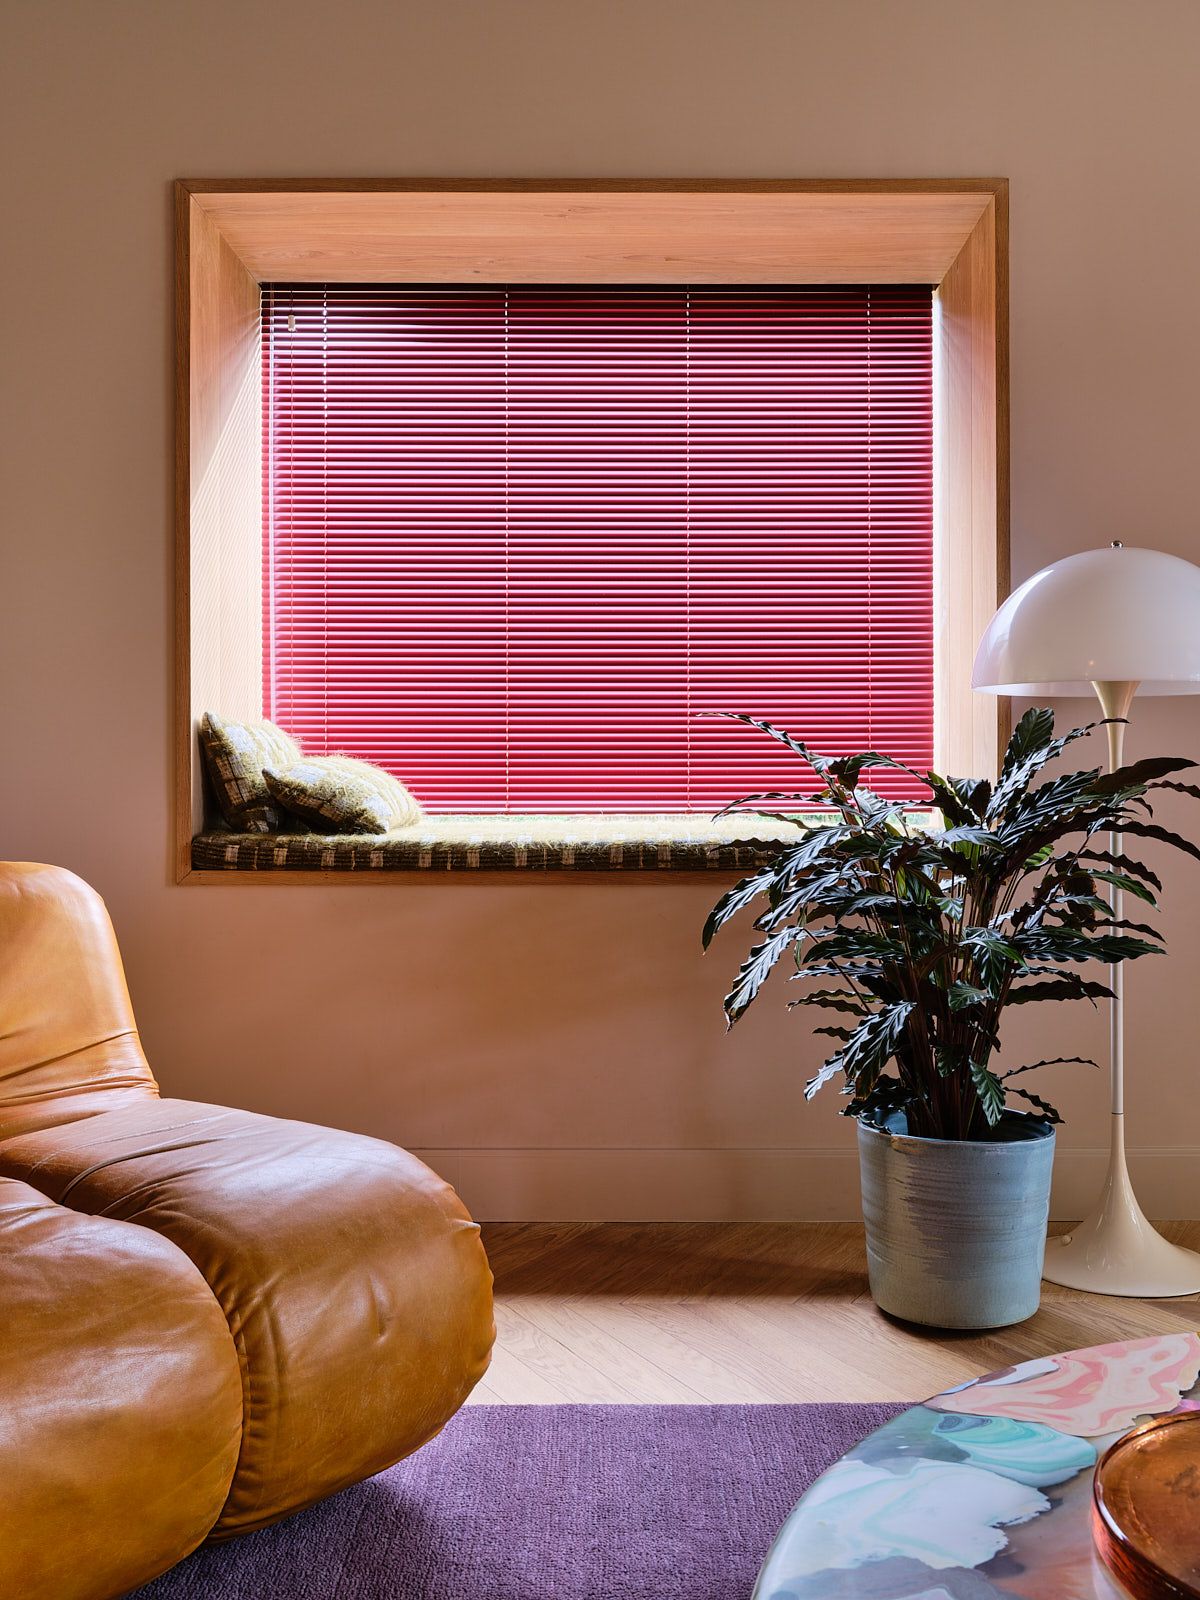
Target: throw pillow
(336,794)
(235,754)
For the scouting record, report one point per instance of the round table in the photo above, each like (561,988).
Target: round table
(984,1491)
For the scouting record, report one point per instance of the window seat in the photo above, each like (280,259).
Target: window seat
(499,843)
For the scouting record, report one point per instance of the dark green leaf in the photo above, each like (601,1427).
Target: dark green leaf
(756,969)
(976,791)
(968,835)
(1180,788)
(884,1096)
(858,970)
(848,768)
(756,799)
(856,904)
(733,900)
(784,738)
(795,819)
(1044,1106)
(962,995)
(1127,926)
(1039,858)
(812,896)
(1061,944)
(833,999)
(853,943)
(1067,988)
(868,1049)
(990,1092)
(1151,830)
(1050,1061)
(1139,773)
(952,804)
(1015,780)
(993,953)
(1032,734)
(1127,885)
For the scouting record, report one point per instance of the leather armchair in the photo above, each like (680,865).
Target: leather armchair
(211,1319)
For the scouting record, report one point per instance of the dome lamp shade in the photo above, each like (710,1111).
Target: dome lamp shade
(1113,615)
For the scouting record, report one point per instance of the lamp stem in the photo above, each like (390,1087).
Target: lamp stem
(1115,702)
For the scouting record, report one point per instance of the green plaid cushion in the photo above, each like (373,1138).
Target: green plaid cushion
(235,754)
(335,794)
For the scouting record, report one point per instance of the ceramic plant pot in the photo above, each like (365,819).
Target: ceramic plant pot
(956,1229)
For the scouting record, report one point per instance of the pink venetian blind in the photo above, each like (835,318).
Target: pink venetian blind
(519,538)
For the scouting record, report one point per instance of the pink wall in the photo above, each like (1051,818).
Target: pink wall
(558,1046)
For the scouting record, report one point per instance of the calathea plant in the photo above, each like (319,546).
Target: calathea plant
(917,938)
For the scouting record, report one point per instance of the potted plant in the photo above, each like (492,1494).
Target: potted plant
(918,933)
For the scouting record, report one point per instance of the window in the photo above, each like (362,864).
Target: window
(518,537)
(782,238)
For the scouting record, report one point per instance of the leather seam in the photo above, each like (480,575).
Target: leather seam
(116,1138)
(81,1050)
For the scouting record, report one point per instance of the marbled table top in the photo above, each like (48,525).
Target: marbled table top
(984,1491)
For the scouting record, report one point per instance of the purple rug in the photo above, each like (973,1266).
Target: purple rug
(548,1503)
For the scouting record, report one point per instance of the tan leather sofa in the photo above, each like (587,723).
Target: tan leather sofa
(208,1319)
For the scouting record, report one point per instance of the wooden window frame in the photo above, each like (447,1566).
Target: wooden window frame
(232,235)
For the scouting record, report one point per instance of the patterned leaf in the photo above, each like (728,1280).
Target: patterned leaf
(869,1047)
(833,999)
(1044,1106)
(1067,988)
(1122,863)
(962,995)
(1151,830)
(733,901)
(969,835)
(1015,779)
(1139,773)
(1050,1061)
(1032,734)
(948,799)
(1180,788)
(783,737)
(993,953)
(1128,885)
(990,1091)
(756,969)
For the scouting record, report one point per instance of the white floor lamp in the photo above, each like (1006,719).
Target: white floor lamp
(1119,621)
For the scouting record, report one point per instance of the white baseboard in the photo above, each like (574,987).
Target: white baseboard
(748,1185)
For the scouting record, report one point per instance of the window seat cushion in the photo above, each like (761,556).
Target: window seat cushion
(491,843)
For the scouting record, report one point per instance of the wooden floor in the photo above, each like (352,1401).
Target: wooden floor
(699,1313)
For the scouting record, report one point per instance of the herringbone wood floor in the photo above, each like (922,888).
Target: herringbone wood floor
(699,1312)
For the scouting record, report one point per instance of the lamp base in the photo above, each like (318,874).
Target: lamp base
(1117,1250)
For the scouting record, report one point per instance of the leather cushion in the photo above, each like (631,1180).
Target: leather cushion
(121,1411)
(355,1285)
(68,1042)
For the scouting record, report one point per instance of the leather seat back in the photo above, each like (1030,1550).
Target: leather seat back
(69,1046)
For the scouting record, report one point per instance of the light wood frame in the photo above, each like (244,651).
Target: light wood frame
(231,235)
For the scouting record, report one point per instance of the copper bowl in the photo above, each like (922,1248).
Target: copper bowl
(1146,1508)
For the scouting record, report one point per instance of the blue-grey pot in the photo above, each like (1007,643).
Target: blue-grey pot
(956,1229)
